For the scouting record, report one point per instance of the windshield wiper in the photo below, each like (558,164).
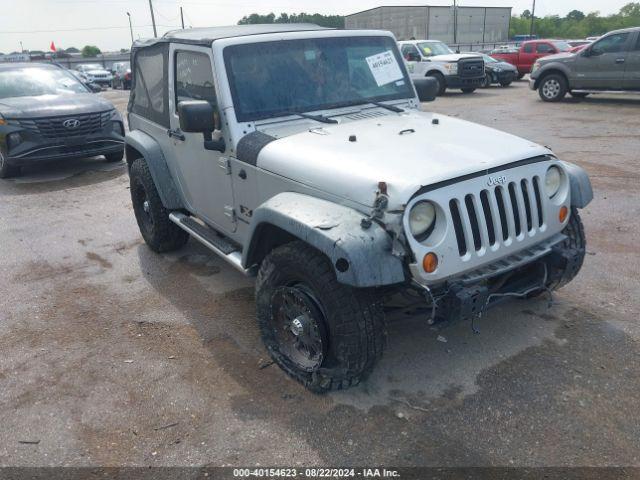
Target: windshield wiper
(317,118)
(391,108)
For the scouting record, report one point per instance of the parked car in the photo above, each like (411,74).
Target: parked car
(502,73)
(301,156)
(611,63)
(529,52)
(96,73)
(82,78)
(47,114)
(432,58)
(121,75)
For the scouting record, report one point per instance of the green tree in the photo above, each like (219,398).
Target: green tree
(90,51)
(575,15)
(331,21)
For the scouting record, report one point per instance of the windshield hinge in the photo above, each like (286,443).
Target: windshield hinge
(224,164)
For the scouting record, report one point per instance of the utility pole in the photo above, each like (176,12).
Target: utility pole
(21,47)
(153,20)
(181,18)
(455,22)
(130,27)
(533,15)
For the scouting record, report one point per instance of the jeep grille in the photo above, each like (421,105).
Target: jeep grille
(499,213)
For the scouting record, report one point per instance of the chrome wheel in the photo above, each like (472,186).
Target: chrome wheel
(298,327)
(551,88)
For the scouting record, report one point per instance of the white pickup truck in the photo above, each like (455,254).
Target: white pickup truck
(432,58)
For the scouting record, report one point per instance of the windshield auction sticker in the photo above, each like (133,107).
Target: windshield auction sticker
(384,68)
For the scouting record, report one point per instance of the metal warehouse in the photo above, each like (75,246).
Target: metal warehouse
(462,25)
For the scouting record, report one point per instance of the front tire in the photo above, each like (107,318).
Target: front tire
(505,84)
(576,244)
(6,170)
(114,157)
(324,334)
(486,81)
(442,82)
(552,88)
(158,231)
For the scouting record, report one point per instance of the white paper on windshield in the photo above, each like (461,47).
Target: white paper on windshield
(384,68)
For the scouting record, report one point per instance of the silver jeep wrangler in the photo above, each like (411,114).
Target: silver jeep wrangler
(300,155)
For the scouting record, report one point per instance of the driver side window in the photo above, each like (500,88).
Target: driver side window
(611,44)
(194,78)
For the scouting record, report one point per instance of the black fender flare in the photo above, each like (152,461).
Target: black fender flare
(139,144)
(580,184)
(360,257)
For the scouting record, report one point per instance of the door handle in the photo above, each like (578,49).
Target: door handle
(177,134)
(619,60)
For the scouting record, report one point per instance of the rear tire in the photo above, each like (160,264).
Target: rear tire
(552,88)
(468,90)
(160,233)
(339,334)
(442,82)
(6,170)
(505,84)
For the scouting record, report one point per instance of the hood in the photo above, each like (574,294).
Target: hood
(407,151)
(502,65)
(557,57)
(452,57)
(53,105)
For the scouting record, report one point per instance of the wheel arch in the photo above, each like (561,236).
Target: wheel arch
(140,145)
(361,258)
(550,71)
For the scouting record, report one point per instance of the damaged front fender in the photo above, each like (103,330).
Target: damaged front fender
(361,258)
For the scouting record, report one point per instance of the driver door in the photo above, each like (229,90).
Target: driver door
(204,174)
(602,65)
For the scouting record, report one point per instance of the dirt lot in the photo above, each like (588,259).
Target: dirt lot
(113,355)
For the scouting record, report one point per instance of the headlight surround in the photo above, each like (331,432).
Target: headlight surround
(422,218)
(552,181)
(452,68)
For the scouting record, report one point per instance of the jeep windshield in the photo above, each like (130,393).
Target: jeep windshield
(431,49)
(270,79)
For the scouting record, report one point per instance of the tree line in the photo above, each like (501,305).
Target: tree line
(576,24)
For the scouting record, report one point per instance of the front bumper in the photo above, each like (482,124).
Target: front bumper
(456,81)
(36,149)
(504,76)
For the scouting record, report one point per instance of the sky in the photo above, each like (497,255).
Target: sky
(104,23)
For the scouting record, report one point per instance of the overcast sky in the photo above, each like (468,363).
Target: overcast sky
(104,22)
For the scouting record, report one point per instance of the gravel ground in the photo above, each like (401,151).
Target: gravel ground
(114,355)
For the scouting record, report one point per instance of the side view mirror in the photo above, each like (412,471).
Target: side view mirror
(427,88)
(197,116)
(413,57)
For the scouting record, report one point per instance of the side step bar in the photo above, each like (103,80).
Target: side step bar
(210,239)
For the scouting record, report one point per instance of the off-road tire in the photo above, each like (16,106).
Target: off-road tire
(486,81)
(353,317)
(442,82)
(160,233)
(468,90)
(114,157)
(6,170)
(552,87)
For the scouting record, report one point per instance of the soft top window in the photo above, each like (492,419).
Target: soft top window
(149,97)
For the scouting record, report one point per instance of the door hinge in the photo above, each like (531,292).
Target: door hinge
(230,212)
(225,165)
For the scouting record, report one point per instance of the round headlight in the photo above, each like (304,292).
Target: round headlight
(421,218)
(552,181)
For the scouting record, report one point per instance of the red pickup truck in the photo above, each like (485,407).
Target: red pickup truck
(529,52)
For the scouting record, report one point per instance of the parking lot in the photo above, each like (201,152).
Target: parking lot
(114,355)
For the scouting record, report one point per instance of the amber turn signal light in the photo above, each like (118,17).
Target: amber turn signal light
(430,262)
(562,215)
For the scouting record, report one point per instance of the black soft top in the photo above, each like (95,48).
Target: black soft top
(204,36)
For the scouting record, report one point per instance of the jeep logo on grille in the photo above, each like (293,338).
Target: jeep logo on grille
(496,180)
(71,123)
